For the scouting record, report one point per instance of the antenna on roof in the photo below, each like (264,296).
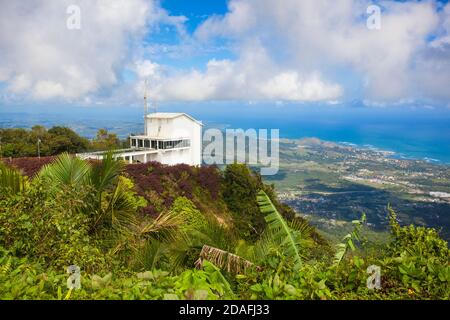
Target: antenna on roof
(145,98)
(145,106)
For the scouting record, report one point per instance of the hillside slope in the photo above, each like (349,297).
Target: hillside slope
(228,197)
(150,231)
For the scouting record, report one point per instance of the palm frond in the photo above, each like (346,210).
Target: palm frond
(11,181)
(120,209)
(279,230)
(151,255)
(191,243)
(264,246)
(167,230)
(223,259)
(167,226)
(215,234)
(183,252)
(301,226)
(67,170)
(106,172)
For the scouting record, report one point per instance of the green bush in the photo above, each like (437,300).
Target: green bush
(50,226)
(193,218)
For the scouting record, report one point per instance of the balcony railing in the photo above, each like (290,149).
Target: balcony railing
(160,144)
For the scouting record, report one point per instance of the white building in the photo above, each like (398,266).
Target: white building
(169,138)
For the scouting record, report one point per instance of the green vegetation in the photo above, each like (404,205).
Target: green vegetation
(24,143)
(240,190)
(152,232)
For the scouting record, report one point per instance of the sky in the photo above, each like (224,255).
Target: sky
(101,53)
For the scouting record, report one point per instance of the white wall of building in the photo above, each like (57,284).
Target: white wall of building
(175,127)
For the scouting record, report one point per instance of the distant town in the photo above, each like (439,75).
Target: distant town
(334,183)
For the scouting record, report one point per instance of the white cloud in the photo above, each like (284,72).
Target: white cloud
(44,59)
(147,69)
(239,19)
(288,85)
(444,38)
(48,89)
(41,56)
(284,50)
(316,35)
(252,77)
(432,69)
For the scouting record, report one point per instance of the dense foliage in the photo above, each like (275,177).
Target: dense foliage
(149,231)
(24,143)
(161,185)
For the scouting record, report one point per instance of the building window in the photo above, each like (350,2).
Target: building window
(133,142)
(167,144)
(140,143)
(147,143)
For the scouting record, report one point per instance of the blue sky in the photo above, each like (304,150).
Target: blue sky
(242,51)
(196,11)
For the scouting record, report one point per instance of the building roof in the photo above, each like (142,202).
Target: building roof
(170,115)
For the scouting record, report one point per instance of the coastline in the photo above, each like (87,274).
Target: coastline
(394,154)
(87,125)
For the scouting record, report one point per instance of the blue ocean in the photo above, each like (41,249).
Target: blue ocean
(410,132)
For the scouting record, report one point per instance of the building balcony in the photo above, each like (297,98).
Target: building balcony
(158,143)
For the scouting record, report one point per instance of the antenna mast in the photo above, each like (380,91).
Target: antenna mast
(145,98)
(145,107)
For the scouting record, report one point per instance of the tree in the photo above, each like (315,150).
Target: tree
(39,131)
(240,189)
(19,142)
(105,140)
(64,139)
